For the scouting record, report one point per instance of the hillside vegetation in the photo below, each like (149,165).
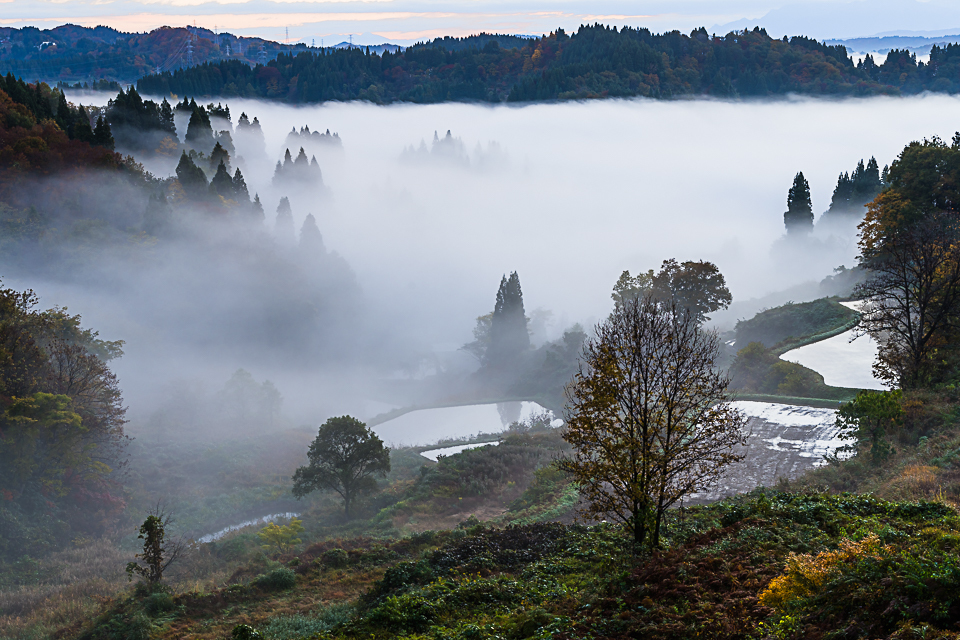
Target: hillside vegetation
(768,564)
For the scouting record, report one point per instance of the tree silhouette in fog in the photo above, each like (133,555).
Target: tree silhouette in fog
(798,219)
(509,337)
(345,457)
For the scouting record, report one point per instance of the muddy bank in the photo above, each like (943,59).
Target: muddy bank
(785,441)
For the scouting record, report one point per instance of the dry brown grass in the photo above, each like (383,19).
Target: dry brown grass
(74,585)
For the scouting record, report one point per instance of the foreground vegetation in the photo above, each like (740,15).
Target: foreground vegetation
(855,566)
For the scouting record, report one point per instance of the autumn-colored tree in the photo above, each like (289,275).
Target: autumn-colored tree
(648,417)
(281,537)
(698,287)
(631,287)
(910,249)
(61,424)
(345,457)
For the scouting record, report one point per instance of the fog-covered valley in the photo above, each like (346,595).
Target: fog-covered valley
(568,195)
(364,347)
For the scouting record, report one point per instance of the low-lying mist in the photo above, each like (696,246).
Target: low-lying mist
(568,195)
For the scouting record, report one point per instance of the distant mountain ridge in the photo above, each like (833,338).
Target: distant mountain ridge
(74,54)
(920,45)
(374,48)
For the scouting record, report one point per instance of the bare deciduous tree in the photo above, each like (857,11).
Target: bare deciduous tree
(648,418)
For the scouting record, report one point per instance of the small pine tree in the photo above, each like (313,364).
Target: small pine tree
(283,227)
(256,209)
(81,130)
(199,132)
(166,118)
(311,241)
(798,218)
(222,183)
(241,194)
(191,177)
(102,137)
(219,156)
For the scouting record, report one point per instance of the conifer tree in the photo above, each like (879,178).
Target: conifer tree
(166,118)
(101,134)
(191,177)
(283,227)
(798,218)
(199,132)
(509,337)
(222,183)
(81,129)
(311,240)
(64,115)
(256,209)
(240,187)
(316,175)
(219,156)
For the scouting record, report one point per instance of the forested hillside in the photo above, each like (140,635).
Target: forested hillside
(597,61)
(101,57)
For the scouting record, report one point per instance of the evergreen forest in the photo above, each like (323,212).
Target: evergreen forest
(596,61)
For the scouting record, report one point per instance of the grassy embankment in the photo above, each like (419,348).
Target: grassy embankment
(759,373)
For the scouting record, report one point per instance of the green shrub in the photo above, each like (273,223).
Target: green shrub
(335,558)
(402,576)
(136,627)
(301,626)
(235,547)
(158,603)
(277,580)
(245,632)
(407,612)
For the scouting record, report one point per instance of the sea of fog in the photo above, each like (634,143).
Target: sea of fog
(569,195)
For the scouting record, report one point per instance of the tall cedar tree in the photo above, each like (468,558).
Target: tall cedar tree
(798,218)
(345,457)
(648,416)
(509,337)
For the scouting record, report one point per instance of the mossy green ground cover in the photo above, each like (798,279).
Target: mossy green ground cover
(550,580)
